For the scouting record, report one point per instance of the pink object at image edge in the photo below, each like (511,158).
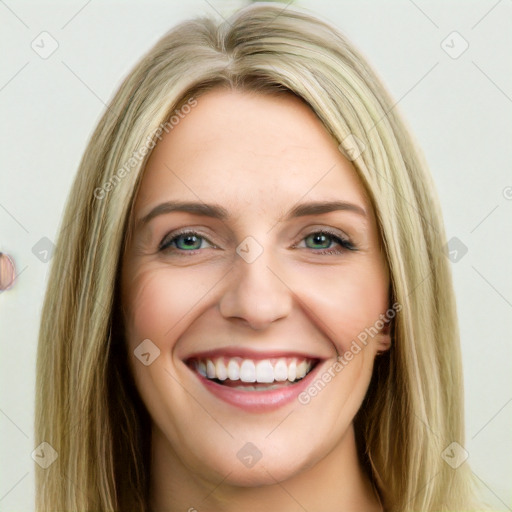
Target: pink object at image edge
(7,271)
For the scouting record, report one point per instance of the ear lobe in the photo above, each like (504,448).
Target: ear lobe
(384,338)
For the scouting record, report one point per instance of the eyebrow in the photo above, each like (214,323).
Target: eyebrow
(218,212)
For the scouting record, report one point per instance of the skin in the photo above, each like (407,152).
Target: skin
(258,156)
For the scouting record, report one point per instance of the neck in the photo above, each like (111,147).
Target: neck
(335,483)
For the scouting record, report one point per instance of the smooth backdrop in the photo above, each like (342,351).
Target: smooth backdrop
(448,66)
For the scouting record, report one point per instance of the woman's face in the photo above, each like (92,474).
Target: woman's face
(241,267)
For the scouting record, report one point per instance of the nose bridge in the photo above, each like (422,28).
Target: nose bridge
(256,292)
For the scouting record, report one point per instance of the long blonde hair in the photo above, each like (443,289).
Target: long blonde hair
(87,407)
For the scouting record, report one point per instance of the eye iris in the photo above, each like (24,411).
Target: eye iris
(191,241)
(319,239)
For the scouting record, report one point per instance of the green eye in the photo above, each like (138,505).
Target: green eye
(189,241)
(322,240)
(319,240)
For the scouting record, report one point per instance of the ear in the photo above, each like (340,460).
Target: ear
(383,339)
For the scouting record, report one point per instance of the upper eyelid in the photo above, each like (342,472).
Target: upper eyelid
(334,232)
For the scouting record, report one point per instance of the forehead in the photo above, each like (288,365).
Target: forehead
(248,150)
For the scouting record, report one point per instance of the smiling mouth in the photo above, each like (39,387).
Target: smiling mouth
(253,375)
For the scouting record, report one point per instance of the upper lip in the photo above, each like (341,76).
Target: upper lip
(246,353)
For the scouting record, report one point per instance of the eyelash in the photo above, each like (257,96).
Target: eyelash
(343,242)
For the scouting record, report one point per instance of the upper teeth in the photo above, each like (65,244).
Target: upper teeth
(247,370)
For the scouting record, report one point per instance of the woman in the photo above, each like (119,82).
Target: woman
(250,304)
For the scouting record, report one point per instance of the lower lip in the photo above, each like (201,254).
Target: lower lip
(258,401)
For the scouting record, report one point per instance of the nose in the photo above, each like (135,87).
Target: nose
(257,293)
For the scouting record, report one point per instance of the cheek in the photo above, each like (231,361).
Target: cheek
(346,301)
(158,303)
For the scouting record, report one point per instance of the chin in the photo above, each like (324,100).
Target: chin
(249,466)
